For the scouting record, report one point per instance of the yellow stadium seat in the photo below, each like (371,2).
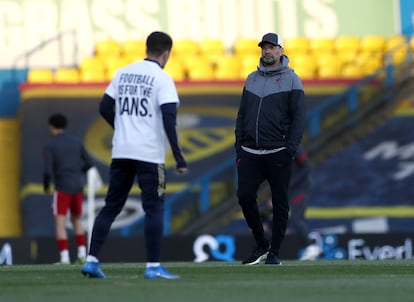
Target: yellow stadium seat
(305,73)
(175,69)
(322,45)
(212,50)
(352,72)
(40,76)
(208,46)
(347,56)
(107,48)
(113,63)
(249,63)
(132,48)
(92,75)
(395,43)
(228,68)
(329,72)
(91,63)
(297,45)
(131,59)
(329,60)
(303,61)
(399,56)
(185,47)
(374,58)
(245,46)
(397,49)
(201,72)
(347,43)
(372,43)
(371,64)
(67,75)
(227,74)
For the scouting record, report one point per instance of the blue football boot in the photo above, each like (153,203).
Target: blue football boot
(92,270)
(159,272)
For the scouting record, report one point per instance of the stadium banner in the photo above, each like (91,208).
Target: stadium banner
(215,247)
(26,25)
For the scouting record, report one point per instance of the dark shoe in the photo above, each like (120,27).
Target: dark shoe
(258,255)
(273,259)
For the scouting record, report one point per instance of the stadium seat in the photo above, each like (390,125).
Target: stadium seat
(203,71)
(347,43)
(245,46)
(92,75)
(114,63)
(249,64)
(212,50)
(133,48)
(352,71)
(295,46)
(395,43)
(228,68)
(399,56)
(303,61)
(88,63)
(347,57)
(40,76)
(305,73)
(397,48)
(372,43)
(67,75)
(329,72)
(108,47)
(185,47)
(131,59)
(175,69)
(227,74)
(372,65)
(372,59)
(322,45)
(329,60)
(212,45)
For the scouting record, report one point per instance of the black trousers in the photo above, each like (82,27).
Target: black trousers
(253,170)
(151,181)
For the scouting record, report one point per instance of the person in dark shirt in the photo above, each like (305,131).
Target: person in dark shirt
(66,161)
(270,123)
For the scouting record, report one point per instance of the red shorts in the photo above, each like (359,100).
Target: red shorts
(62,202)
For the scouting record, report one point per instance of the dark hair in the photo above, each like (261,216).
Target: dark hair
(58,121)
(158,42)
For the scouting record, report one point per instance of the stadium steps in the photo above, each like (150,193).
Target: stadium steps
(10,225)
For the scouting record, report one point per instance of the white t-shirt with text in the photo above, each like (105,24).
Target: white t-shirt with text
(139,89)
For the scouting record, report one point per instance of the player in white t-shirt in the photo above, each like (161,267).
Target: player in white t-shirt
(140,104)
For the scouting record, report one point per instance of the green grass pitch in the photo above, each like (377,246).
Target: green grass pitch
(341,280)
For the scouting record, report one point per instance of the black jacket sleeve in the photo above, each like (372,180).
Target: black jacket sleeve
(107,109)
(169,116)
